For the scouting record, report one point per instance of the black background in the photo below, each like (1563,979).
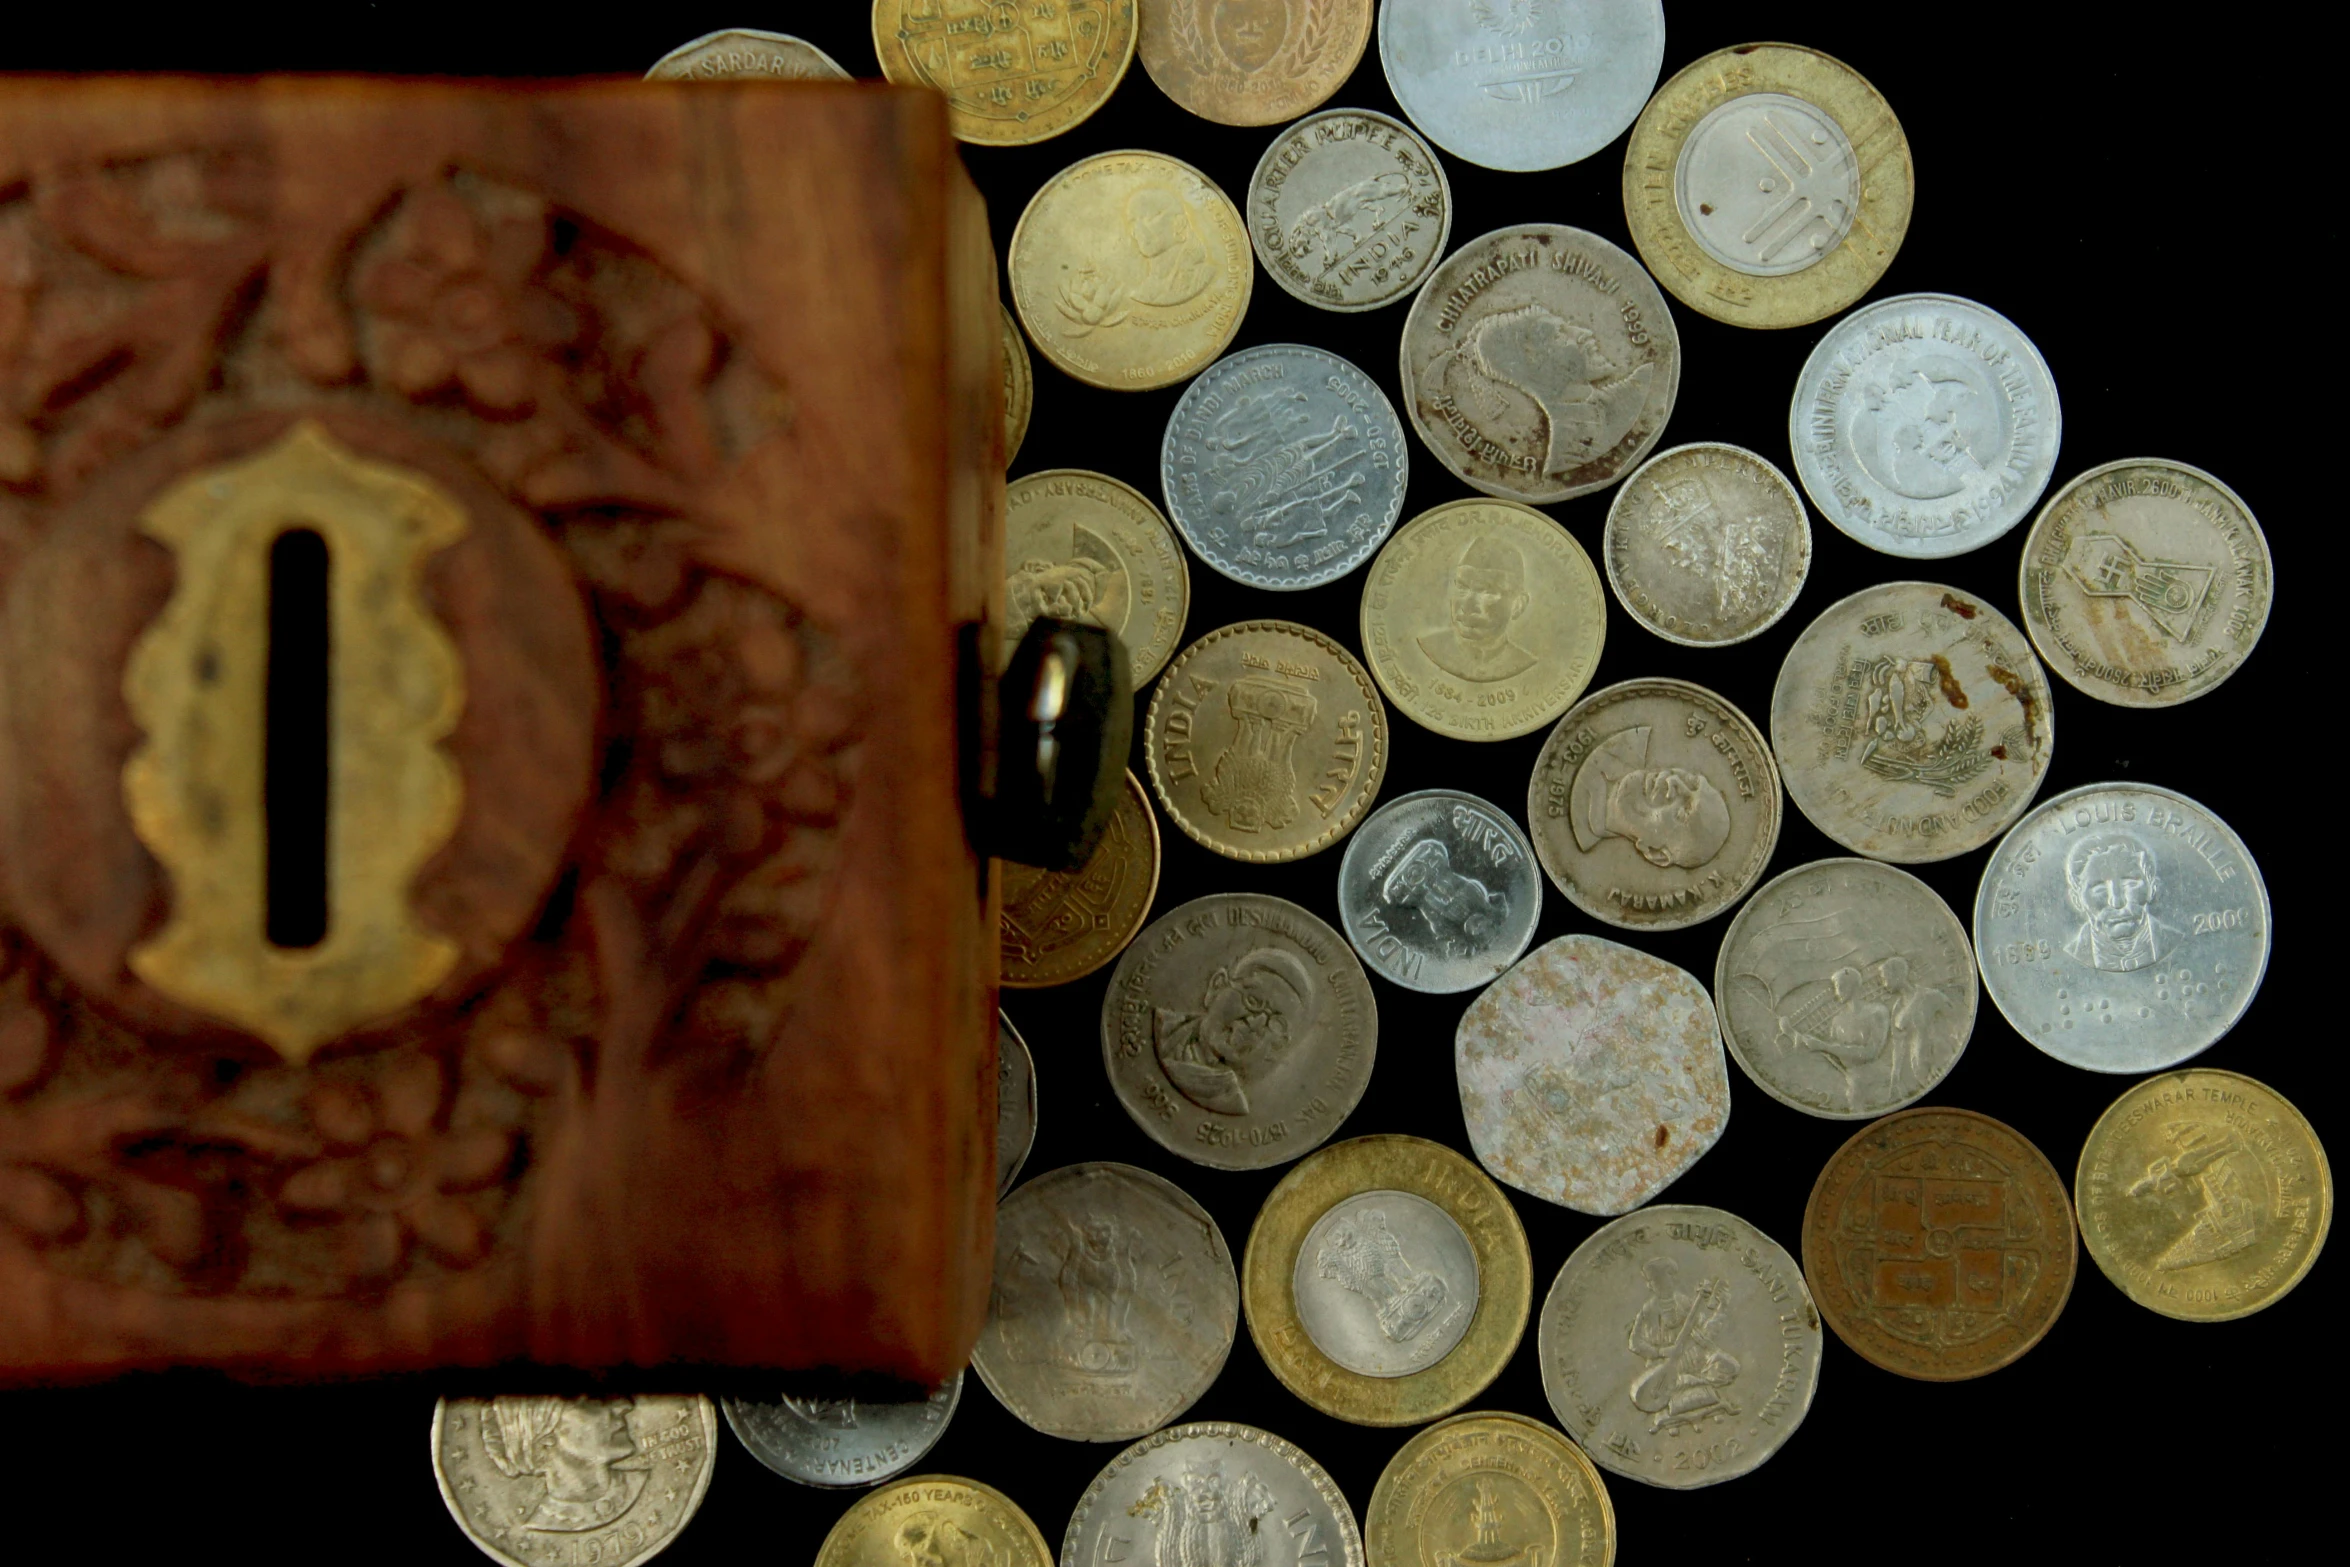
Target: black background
(2107,191)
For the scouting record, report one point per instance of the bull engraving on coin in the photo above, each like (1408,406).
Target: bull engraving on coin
(1248,1017)
(1487,595)
(1670,815)
(582,1451)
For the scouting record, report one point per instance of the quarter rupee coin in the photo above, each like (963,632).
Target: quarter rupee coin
(1083,546)
(1707,544)
(1252,62)
(1522,85)
(746,54)
(1015,1104)
(1348,209)
(601,1479)
(1439,891)
(842,1442)
(1490,1489)
(1212,1493)
(2122,928)
(1067,58)
(934,1518)
(1019,385)
(1062,925)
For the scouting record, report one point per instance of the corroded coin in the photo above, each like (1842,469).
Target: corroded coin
(2122,928)
(1238,1031)
(1522,84)
(1439,891)
(1131,270)
(1846,987)
(1707,544)
(1019,385)
(1387,1281)
(1452,628)
(746,54)
(1114,1303)
(1911,722)
(1680,1347)
(840,1442)
(1767,185)
(2204,1195)
(1015,1103)
(1348,209)
(1210,1494)
(1062,925)
(586,1479)
(1252,62)
(1591,1075)
(2145,582)
(928,1519)
(1938,1244)
(1490,1489)
(1539,363)
(1266,741)
(1083,546)
(1059,62)
(1654,804)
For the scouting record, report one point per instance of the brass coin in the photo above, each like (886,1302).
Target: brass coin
(1252,62)
(1938,1244)
(1489,1479)
(2204,1195)
(1767,185)
(746,54)
(1131,270)
(1059,63)
(1062,925)
(1266,741)
(1450,624)
(1019,386)
(1083,546)
(934,1518)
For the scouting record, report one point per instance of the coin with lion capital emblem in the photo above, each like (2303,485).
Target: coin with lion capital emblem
(1213,1494)
(608,1480)
(1490,1487)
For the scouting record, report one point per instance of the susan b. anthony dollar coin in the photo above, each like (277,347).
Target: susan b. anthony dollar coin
(1489,1489)
(1439,891)
(1348,210)
(1707,544)
(532,1479)
(934,1519)
(1212,1493)
(842,1442)
(1522,85)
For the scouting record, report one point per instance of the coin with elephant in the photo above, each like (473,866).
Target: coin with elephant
(1083,546)
(1490,1487)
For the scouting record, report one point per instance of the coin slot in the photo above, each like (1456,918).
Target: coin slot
(297,769)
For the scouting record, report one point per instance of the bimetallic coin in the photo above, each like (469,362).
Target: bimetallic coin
(1266,741)
(1924,425)
(1284,466)
(1015,1104)
(1114,1303)
(1252,62)
(1539,363)
(2145,582)
(1130,270)
(1489,1488)
(1846,988)
(746,54)
(842,1442)
(1212,1493)
(1707,544)
(934,1518)
(1371,1252)
(1062,62)
(2122,928)
(1911,722)
(1083,546)
(1521,84)
(1938,1244)
(1019,385)
(608,1480)
(1680,1347)
(1767,185)
(2204,1195)
(1062,925)
(1439,891)
(1349,209)
(1238,1031)
(1483,620)
(1654,805)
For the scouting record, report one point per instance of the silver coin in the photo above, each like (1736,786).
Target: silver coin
(1015,1103)
(1707,544)
(1348,209)
(1846,988)
(1239,1030)
(1284,466)
(1114,1303)
(842,1442)
(2122,928)
(1215,1494)
(608,1480)
(1385,1283)
(746,54)
(1522,84)
(1439,891)
(1767,184)
(1924,425)
(1679,1346)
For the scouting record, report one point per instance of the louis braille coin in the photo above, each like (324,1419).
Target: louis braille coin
(839,1442)
(1521,84)
(1252,62)
(746,54)
(1019,384)
(1063,61)
(1015,1103)
(1439,891)
(1707,544)
(934,1518)
(1062,925)
(1212,1493)
(618,1477)
(1348,210)
(1489,1489)
(1083,546)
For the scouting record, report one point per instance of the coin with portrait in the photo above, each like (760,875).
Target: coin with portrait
(1707,544)
(1490,1487)
(934,1521)
(1212,1494)
(1062,925)
(1065,59)
(746,54)
(1083,546)
(836,1442)
(1348,209)
(1439,891)
(1019,384)
(1252,62)
(615,1477)
(1522,85)
(1015,1103)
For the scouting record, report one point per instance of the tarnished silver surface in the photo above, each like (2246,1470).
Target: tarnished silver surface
(1439,891)
(1767,184)
(1924,425)
(1015,1103)
(1386,1283)
(1707,544)
(1348,209)
(1522,84)
(746,54)
(1680,1346)
(840,1442)
(540,1479)
(1212,1494)
(2122,928)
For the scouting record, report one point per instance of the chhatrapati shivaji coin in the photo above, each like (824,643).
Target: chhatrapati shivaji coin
(1061,61)
(1591,1075)
(538,1479)
(1767,185)
(1015,1104)
(1212,1494)
(2204,1195)
(1924,425)
(1130,270)
(2122,928)
(746,54)
(1266,741)
(1679,1346)
(1489,1489)
(1911,722)
(1439,891)
(1707,544)
(1083,546)
(1252,62)
(1522,84)
(1284,466)
(1348,209)
(1483,619)
(1019,384)
(2145,582)
(1239,1031)
(1114,1303)
(1062,925)
(1387,1281)
(1938,1244)
(1539,363)
(934,1519)
(1846,988)
(842,1442)
(1654,804)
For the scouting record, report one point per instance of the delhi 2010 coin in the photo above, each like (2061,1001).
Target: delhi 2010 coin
(1348,209)
(1521,85)
(1707,544)
(842,1442)
(1439,891)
